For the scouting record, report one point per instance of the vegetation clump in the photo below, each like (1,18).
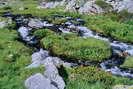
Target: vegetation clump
(76,48)
(129,21)
(103,4)
(91,75)
(59,20)
(93,78)
(110,28)
(128,62)
(43,32)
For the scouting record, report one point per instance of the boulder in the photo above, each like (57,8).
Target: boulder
(51,72)
(38,81)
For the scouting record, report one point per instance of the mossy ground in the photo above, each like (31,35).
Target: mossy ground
(14,57)
(76,48)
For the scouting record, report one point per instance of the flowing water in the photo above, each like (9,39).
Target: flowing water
(110,65)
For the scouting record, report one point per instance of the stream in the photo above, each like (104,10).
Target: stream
(28,23)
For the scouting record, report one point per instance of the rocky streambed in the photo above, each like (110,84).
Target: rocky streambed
(26,24)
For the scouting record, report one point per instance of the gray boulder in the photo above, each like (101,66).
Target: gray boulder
(38,81)
(51,73)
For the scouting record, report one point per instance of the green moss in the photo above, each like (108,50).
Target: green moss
(14,58)
(43,32)
(76,48)
(128,62)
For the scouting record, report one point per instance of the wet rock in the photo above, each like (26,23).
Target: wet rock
(123,87)
(64,30)
(24,31)
(46,24)
(35,23)
(38,81)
